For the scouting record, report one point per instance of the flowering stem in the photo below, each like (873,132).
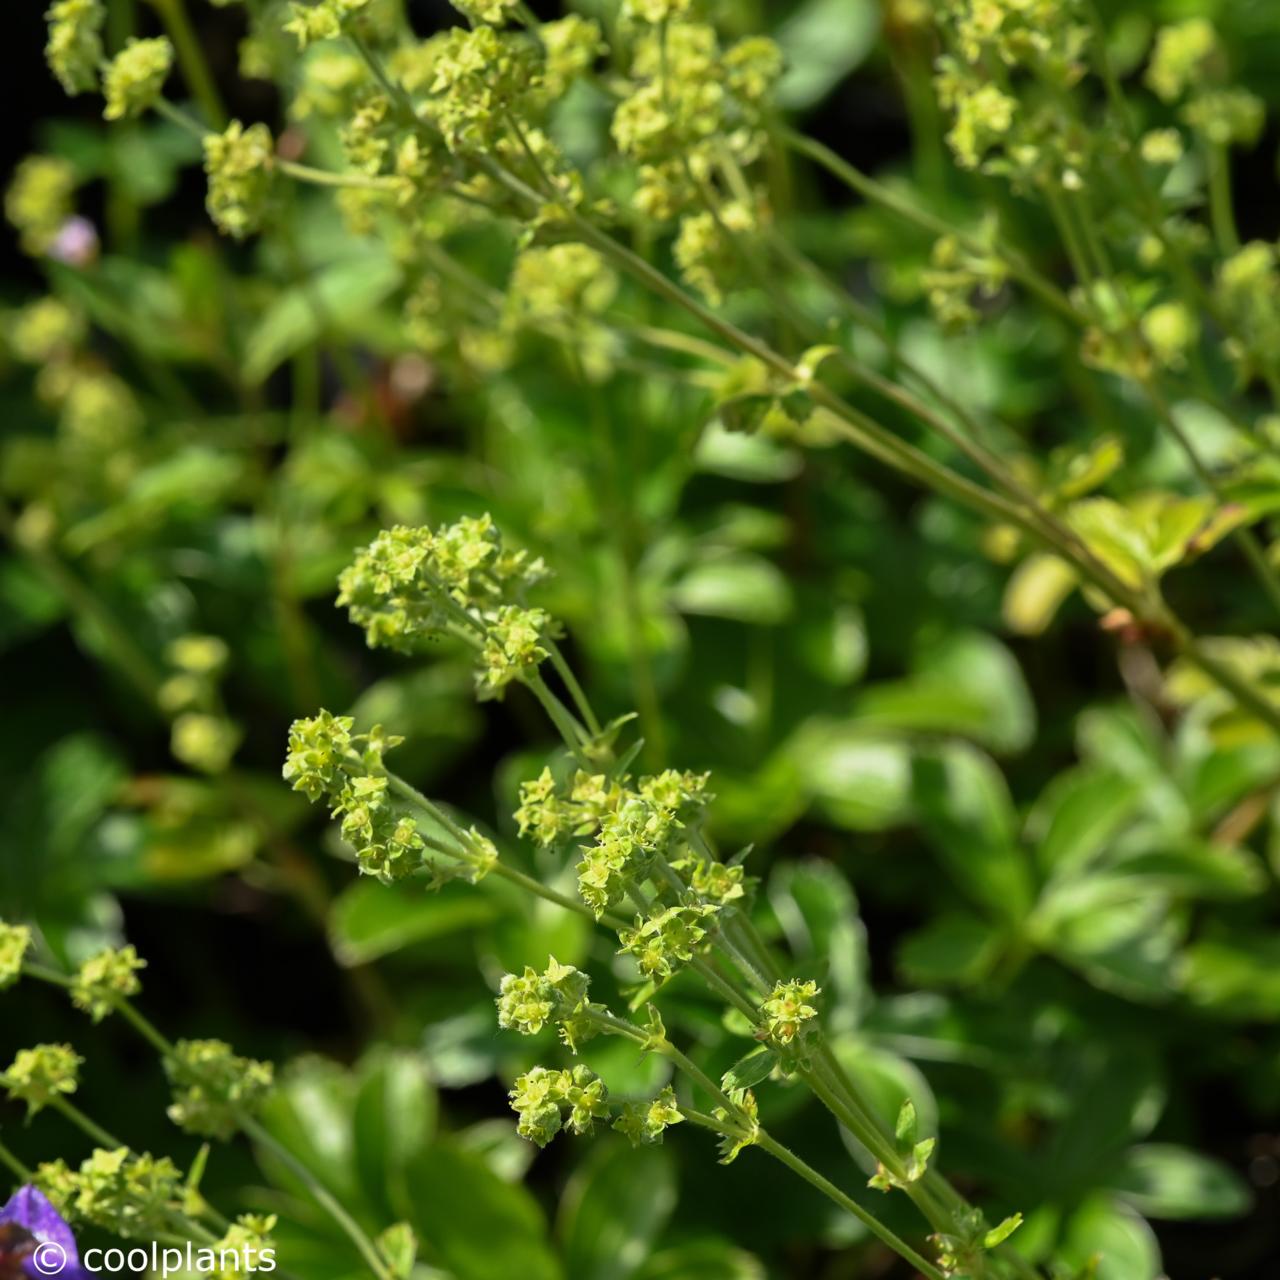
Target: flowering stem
(875,191)
(143,1025)
(575,689)
(322,1195)
(191,59)
(1221,208)
(526,882)
(806,1171)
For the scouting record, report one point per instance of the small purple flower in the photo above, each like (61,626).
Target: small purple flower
(76,242)
(35,1242)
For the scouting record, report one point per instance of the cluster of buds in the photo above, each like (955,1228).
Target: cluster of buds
(239,165)
(956,276)
(15,941)
(106,979)
(547,1101)
(664,942)
(1048,37)
(786,1011)
(129,1195)
(133,79)
(690,100)
(213,1087)
(320,21)
(39,1075)
(327,760)
(411,586)
(38,201)
(202,736)
(529,1001)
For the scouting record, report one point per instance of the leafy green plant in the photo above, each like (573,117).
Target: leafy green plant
(799,556)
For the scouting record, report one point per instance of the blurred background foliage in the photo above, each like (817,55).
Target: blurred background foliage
(1043,905)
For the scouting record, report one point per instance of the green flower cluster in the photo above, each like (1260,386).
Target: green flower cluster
(45,330)
(635,834)
(541,1098)
(40,1074)
(74,48)
(326,760)
(529,1001)
(105,979)
(1045,36)
(786,1011)
(239,165)
(1248,292)
(709,247)
(321,21)
(743,1124)
(247,1237)
(38,201)
(690,106)
(956,276)
(495,12)
(551,813)
(410,586)
(15,941)
(643,1123)
(129,1195)
(133,79)
(1187,65)
(213,1087)
(665,941)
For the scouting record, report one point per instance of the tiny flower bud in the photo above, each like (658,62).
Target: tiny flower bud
(15,939)
(105,979)
(39,1075)
(134,77)
(213,1087)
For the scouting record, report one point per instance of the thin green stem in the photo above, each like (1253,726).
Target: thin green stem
(191,59)
(14,1165)
(828,1188)
(1221,204)
(877,192)
(320,1193)
(91,1127)
(576,692)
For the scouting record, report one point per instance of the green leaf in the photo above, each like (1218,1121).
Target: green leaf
(965,809)
(615,1208)
(1162,1180)
(473,1223)
(905,1129)
(822,42)
(1078,815)
(750,1069)
(969,685)
(1236,976)
(743,587)
(338,296)
(702,1260)
(818,912)
(999,1234)
(956,949)
(394,1117)
(369,920)
(859,780)
(1036,591)
(1122,1242)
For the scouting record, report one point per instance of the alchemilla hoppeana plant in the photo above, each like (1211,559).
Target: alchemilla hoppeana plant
(819,681)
